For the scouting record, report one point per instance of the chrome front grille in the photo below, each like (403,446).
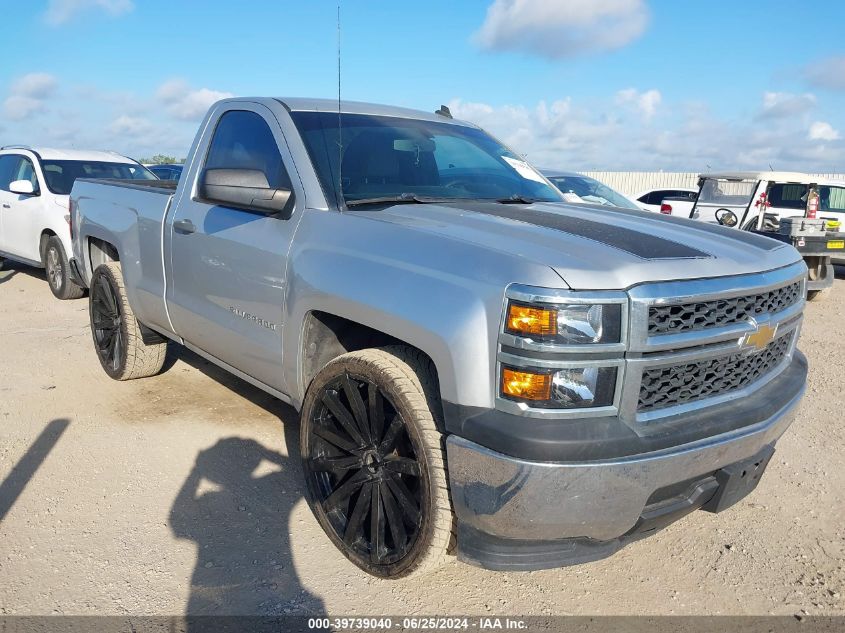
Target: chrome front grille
(691,342)
(685,317)
(673,385)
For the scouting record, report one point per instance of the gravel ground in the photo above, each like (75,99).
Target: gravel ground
(183,494)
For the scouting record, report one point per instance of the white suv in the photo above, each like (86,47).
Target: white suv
(34,218)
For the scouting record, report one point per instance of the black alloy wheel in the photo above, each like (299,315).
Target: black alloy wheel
(124,349)
(106,324)
(365,475)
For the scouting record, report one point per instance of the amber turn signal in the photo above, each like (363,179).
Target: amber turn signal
(525,385)
(531,320)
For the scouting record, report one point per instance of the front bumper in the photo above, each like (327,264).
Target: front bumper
(518,514)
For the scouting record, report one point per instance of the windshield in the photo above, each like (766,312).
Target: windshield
(589,190)
(383,157)
(60,174)
(733,193)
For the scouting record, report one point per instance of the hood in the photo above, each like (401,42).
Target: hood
(595,247)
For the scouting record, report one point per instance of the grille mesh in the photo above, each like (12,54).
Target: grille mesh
(671,319)
(670,386)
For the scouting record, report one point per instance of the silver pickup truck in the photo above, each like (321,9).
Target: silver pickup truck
(479,367)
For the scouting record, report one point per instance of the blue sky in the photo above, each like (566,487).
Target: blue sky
(579,84)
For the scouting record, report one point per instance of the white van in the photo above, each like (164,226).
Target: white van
(34,217)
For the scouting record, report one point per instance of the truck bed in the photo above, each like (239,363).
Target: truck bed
(157,186)
(128,214)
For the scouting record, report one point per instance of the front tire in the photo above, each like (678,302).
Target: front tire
(117,334)
(375,468)
(57,270)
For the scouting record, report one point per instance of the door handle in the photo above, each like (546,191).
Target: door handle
(6,206)
(184,226)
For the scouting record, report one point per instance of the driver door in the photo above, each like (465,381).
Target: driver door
(226,294)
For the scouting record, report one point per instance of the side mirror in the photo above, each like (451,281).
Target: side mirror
(726,217)
(22,187)
(245,189)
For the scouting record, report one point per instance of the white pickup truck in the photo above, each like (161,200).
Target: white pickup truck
(35,184)
(769,203)
(784,193)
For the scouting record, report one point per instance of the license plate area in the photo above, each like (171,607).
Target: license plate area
(738,480)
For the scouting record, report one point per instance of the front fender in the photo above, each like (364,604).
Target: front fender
(441,296)
(448,321)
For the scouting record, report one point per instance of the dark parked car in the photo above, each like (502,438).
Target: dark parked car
(577,188)
(166,172)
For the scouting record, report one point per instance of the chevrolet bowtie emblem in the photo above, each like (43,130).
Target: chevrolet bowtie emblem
(760,338)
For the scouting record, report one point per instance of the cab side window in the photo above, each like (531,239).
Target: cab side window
(832,199)
(243,140)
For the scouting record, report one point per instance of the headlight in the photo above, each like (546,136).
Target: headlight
(566,324)
(571,388)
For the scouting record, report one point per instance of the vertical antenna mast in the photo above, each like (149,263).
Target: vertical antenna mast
(339,135)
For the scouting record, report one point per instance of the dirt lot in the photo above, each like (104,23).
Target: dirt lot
(183,493)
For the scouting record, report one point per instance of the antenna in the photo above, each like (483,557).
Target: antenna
(339,128)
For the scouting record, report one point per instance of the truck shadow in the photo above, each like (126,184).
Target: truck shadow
(236,506)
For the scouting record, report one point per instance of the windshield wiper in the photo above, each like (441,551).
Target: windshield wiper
(402,198)
(516,199)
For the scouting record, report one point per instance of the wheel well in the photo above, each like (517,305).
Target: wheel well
(101,252)
(326,336)
(46,234)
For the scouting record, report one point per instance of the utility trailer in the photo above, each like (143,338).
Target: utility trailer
(818,241)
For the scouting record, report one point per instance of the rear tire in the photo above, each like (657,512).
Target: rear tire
(817,268)
(117,334)
(375,467)
(57,270)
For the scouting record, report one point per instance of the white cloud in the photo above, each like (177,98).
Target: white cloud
(823,131)
(545,133)
(557,29)
(827,73)
(18,108)
(785,104)
(62,11)
(131,126)
(28,94)
(646,102)
(185,103)
(598,134)
(35,85)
